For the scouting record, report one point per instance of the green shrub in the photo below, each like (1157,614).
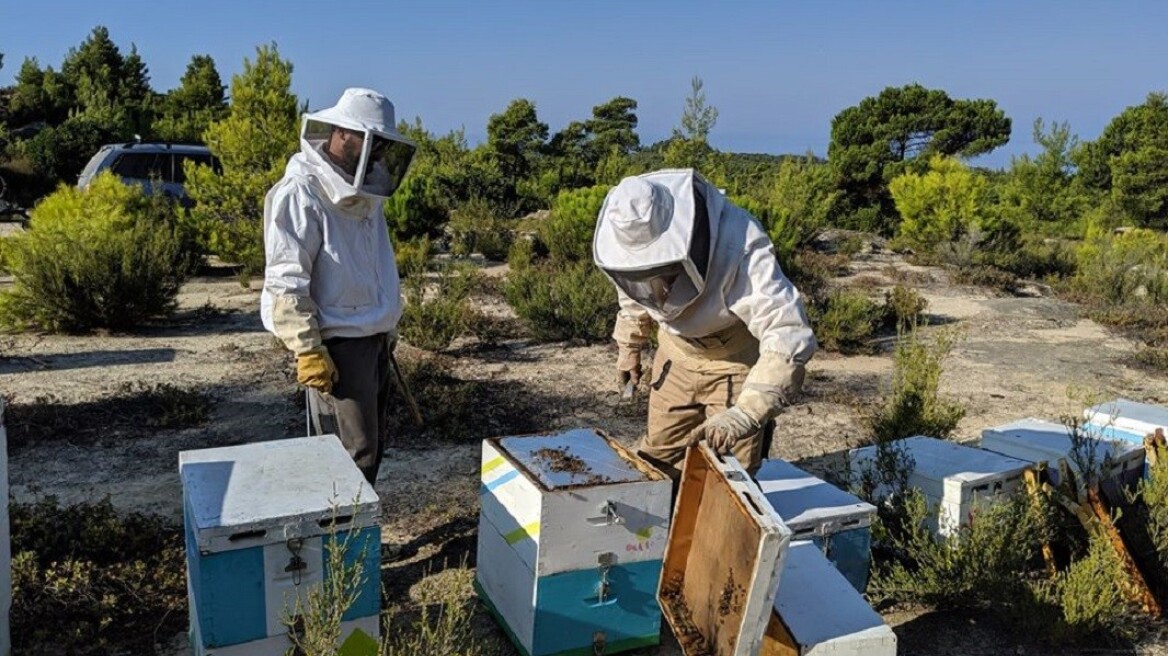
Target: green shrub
(903,307)
(914,405)
(1090,595)
(413,256)
(982,565)
(475,227)
(563,302)
(87,580)
(415,210)
(567,232)
(847,322)
(435,317)
(1154,494)
(107,257)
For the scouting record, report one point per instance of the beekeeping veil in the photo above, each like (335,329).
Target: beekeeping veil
(374,156)
(654,238)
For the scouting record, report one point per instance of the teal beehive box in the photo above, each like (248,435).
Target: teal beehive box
(260,521)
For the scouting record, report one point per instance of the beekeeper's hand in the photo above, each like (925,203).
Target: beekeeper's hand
(315,369)
(628,364)
(725,429)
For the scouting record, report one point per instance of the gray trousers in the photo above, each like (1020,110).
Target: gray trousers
(356,410)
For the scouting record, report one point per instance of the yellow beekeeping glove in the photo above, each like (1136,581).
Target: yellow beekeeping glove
(315,369)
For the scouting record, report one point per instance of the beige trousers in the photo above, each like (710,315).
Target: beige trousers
(690,383)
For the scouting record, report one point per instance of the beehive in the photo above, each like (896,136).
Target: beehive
(260,520)
(817,612)
(838,522)
(1127,421)
(954,478)
(572,531)
(1038,441)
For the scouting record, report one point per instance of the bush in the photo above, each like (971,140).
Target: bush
(434,318)
(415,210)
(1090,596)
(88,581)
(1154,494)
(475,227)
(847,322)
(107,257)
(903,307)
(563,302)
(982,565)
(914,406)
(413,256)
(567,232)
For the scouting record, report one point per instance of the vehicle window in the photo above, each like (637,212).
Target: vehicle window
(200,159)
(142,166)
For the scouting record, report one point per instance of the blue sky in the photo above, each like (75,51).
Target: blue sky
(777,71)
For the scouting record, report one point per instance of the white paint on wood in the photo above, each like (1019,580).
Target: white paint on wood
(1038,441)
(1139,418)
(823,612)
(285,589)
(956,479)
(810,505)
(575,528)
(508,583)
(273,491)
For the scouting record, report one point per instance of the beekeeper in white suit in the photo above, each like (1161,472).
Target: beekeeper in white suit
(331,288)
(733,333)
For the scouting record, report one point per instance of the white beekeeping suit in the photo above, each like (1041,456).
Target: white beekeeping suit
(734,336)
(331,279)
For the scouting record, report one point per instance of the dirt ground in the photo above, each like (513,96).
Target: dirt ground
(1020,356)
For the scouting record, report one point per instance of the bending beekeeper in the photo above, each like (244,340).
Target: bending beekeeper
(733,334)
(331,288)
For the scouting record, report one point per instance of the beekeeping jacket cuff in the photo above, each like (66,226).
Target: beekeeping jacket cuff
(772,383)
(294,323)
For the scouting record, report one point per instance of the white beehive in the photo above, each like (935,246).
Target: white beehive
(260,519)
(1129,416)
(5,543)
(837,521)
(724,559)
(817,612)
(954,478)
(1038,441)
(572,531)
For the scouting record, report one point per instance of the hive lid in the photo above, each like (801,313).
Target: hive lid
(578,457)
(251,494)
(803,500)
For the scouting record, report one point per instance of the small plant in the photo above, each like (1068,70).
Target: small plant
(847,322)
(574,301)
(1154,493)
(1090,595)
(87,580)
(567,232)
(315,617)
(434,318)
(106,257)
(903,307)
(914,405)
(413,256)
(444,626)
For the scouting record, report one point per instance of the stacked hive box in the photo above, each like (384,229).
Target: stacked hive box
(5,545)
(1126,420)
(817,612)
(839,523)
(572,532)
(1038,441)
(261,520)
(954,478)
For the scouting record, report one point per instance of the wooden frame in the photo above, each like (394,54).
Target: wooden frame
(718,586)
